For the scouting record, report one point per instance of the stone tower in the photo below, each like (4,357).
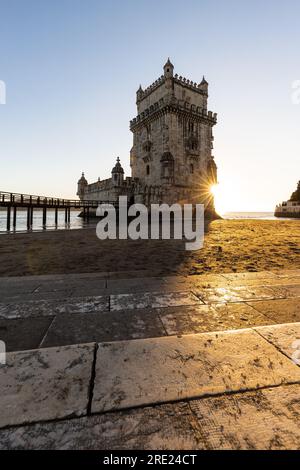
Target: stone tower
(173,139)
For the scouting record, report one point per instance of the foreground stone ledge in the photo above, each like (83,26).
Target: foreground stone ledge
(150,371)
(162,427)
(266,419)
(45,384)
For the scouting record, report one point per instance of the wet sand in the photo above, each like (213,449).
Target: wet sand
(230,246)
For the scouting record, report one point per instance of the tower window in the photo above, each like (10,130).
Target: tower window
(148,170)
(191,168)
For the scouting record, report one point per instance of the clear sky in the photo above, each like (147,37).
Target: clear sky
(72,68)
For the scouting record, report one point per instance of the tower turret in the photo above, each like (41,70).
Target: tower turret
(168,69)
(81,186)
(139,94)
(203,86)
(117,174)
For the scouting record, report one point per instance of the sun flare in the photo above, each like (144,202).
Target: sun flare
(222,198)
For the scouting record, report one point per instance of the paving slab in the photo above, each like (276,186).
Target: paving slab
(250,275)
(80,283)
(109,326)
(152,300)
(285,337)
(17,287)
(162,427)
(149,371)
(24,333)
(280,291)
(279,311)
(137,273)
(54,277)
(216,317)
(54,307)
(292,290)
(207,280)
(288,273)
(261,420)
(45,384)
(34,296)
(279,282)
(234,294)
(118,286)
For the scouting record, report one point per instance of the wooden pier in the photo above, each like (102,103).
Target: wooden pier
(13,201)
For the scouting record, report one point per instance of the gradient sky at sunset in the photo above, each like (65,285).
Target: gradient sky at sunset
(72,67)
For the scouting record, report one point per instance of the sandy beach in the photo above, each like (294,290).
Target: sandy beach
(230,246)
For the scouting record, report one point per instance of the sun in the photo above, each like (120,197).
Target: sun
(222,198)
(214,190)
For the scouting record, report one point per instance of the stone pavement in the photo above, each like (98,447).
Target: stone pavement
(197,362)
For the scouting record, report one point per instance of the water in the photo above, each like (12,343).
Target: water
(75,221)
(254,215)
(78,223)
(250,215)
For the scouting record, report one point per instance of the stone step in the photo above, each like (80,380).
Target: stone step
(265,419)
(18,289)
(59,327)
(62,382)
(159,370)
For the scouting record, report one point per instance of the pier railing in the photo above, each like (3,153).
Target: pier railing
(12,201)
(25,200)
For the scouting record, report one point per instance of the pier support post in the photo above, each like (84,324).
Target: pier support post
(15,218)
(69,215)
(56,216)
(44,216)
(8,218)
(28,217)
(31,216)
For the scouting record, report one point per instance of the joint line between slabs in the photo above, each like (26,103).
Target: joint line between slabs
(47,330)
(274,345)
(92,380)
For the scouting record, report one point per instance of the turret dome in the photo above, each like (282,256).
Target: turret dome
(118,167)
(82,180)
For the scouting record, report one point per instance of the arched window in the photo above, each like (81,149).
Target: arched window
(148,170)
(191,168)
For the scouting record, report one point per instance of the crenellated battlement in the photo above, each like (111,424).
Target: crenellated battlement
(176,105)
(142,94)
(197,87)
